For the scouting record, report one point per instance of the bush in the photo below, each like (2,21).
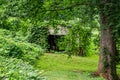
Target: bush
(17,36)
(16,69)
(15,56)
(39,35)
(5,33)
(18,49)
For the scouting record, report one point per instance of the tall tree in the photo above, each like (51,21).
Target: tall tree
(107,60)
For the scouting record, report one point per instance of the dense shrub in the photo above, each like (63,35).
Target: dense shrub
(23,50)
(11,47)
(17,36)
(16,69)
(5,33)
(39,35)
(15,56)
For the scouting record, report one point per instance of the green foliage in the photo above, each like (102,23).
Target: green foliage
(105,63)
(13,48)
(60,43)
(105,50)
(15,25)
(10,24)
(12,51)
(5,33)
(16,69)
(78,38)
(15,56)
(39,35)
(81,37)
(53,11)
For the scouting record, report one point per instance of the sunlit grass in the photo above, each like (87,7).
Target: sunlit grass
(60,67)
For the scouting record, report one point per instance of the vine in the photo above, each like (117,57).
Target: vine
(39,35)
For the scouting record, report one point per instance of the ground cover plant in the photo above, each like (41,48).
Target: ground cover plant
(16,69)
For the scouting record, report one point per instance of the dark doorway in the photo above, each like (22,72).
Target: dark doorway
(53,42)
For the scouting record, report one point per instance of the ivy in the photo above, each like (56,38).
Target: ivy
(105,50)
(105,64)
(39,35)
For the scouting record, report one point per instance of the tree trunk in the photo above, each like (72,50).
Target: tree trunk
(107,63)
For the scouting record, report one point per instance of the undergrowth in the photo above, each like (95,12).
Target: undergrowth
(16,57)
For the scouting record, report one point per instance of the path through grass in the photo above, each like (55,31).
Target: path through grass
(60,67)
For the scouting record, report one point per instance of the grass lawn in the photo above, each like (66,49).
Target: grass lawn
(60,67)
